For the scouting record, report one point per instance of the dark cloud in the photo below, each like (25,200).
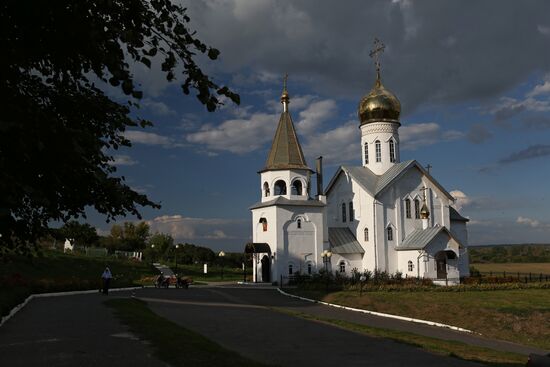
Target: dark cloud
(536,122)
(437,51)
(534,151)
(508,112)
(478,134)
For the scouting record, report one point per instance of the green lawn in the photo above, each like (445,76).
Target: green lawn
(214,272)
(521,316)
(55,271)
(172,343)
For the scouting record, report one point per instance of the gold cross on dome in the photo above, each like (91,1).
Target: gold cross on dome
(375,54)
(424,189)
(285,79)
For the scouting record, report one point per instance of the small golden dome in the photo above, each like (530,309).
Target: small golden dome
(424,212)
(379,105)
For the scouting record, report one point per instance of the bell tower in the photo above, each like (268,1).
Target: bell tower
(379,114)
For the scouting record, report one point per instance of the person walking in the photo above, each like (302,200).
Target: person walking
(106,278)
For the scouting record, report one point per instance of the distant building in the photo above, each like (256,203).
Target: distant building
(385,214)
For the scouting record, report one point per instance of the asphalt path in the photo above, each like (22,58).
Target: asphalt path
(77,330)
(244,320)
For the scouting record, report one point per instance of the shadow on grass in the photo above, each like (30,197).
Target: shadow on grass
(172,343)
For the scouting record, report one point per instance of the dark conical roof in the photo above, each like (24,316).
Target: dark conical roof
(286,152)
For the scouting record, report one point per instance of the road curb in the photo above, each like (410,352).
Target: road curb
(56,294)
(390,316)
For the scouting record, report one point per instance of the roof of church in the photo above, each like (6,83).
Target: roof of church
(342,241)
(455,215)
(420,238)
(281,200)
(375,184)
(286,152)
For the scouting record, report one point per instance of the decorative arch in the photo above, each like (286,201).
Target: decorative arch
(408,208)
(366,152)
(297,187)
(343,212)
(266,189)
(390,232)
(263,221)
(366,234)
(280,187)
(392,150)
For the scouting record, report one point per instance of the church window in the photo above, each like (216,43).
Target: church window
(366,235)
(351,213)
(366,153)
(390,234)
(264,224)
(290,269)
(342,267)
(416,208)
(408,208)
(296,188)
(392,151)
(410,266)
(309,268)
(299,223)
(280,187)
(266,189)
(344,212)
(378,151)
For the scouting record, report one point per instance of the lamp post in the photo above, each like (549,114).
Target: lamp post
(362,279)
(326,255)
(176,258)
(152,252)
(221,255)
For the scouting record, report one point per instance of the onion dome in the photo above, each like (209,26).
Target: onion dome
(424,212)
(379,105)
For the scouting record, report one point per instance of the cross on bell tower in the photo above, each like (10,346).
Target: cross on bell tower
(375,54)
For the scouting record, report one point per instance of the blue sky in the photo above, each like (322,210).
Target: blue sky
(473,79)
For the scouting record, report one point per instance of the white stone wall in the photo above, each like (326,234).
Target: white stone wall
(288,176)
(383,132)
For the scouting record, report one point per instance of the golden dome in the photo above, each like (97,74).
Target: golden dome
(379,105)
(424,212)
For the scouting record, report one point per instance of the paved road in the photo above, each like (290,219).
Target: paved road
(239,320)
(71,331)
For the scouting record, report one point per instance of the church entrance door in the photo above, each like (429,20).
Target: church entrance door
(266,271)
(441,265)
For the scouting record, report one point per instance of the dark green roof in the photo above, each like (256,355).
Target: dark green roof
(286,152)
(342,241)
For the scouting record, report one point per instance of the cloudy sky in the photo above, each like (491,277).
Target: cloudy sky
(473,79)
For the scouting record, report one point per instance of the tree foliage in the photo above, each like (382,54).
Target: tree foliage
(57,126)
(127,237)
(83,234)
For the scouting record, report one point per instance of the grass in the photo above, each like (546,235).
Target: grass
(172,343)
(54,271)
(521,316)
(442,347)
(512,269)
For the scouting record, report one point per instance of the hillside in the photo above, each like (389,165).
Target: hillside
(524,253)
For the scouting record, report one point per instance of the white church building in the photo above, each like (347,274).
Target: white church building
(385,214)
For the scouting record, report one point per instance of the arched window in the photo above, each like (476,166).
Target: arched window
(280,187)
(390,233)
(309,268)
(378,151)
(351,214)
(392,151)
(366,152)
(296,188)
(417,208)
(264,224)
(410,266)
(366,232)
(299,223)
(344,212)
(290,269)
(266,189)
(342,267)
(408,208)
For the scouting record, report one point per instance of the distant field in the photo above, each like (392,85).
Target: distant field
(514,268)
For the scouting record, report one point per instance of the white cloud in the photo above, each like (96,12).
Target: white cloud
(142,137)
(337,146)
(461,199)
(543,88)
(123,160)
(159,108)
(184,228)
(415,136)
(314,115)
(533,223)
(238,135)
